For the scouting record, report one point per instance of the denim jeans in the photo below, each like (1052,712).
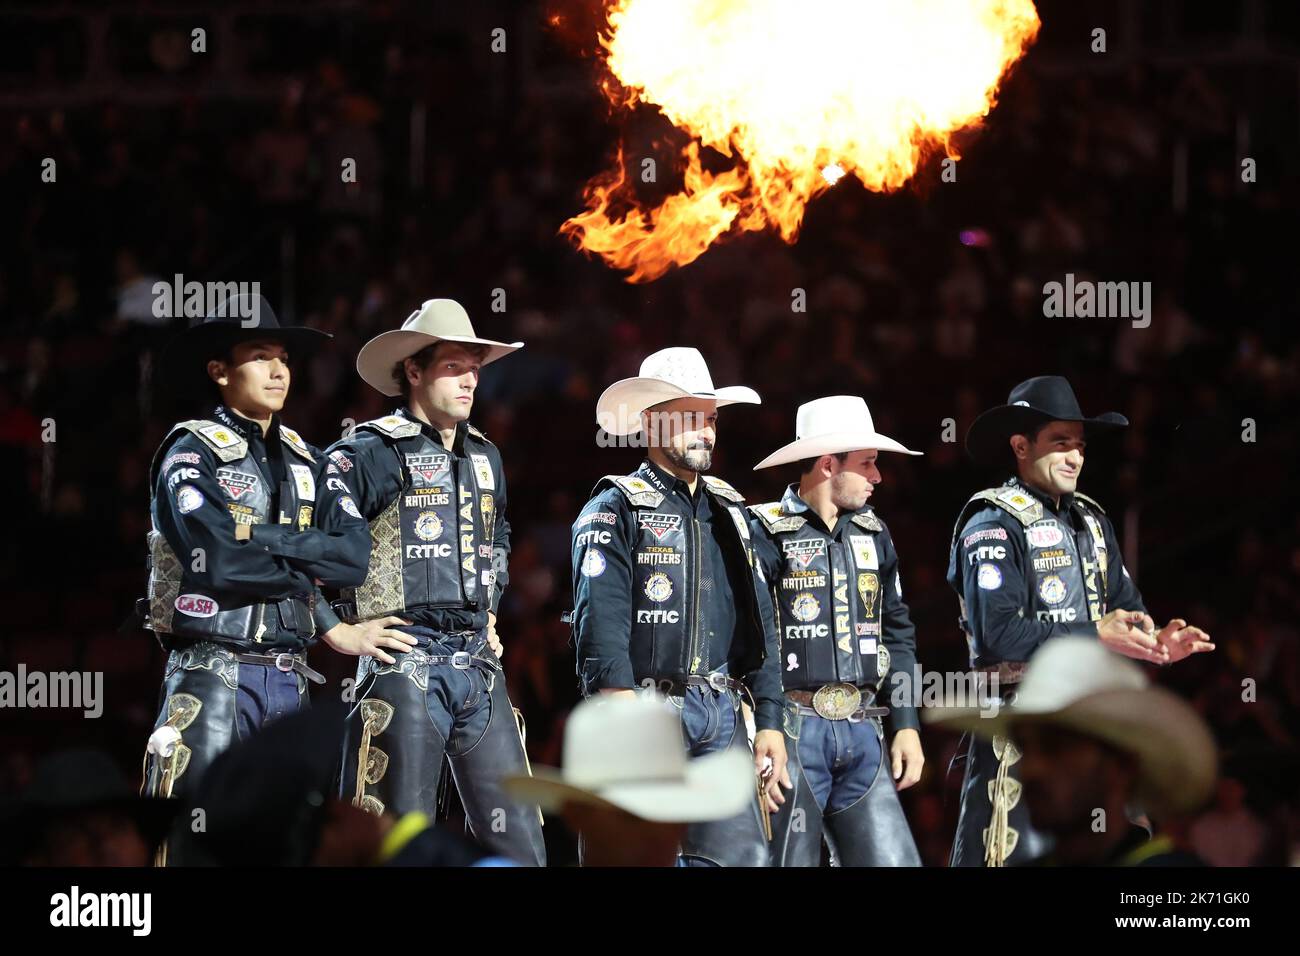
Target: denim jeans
(266,694)
(840,759)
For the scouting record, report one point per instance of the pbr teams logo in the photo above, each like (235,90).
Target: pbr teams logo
(803,552)
(234,483)
(659,525)
(423,468)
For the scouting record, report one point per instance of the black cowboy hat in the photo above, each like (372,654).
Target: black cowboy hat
(1045,398)
(71,782)
(265,797)
(184,361)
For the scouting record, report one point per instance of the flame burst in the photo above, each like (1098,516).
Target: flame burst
(799,94)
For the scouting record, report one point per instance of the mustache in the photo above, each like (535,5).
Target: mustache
(700,446)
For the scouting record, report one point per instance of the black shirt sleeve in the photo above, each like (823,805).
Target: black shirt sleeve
(602,596)
(766,682)
(500,533)
(899,636)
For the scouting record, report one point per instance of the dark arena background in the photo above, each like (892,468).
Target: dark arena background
(1169,159)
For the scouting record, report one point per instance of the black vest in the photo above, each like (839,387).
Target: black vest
(432,546)
(828,599)
(1066,569)
(666,637)
(178,604)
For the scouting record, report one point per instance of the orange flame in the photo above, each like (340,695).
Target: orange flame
(799,94)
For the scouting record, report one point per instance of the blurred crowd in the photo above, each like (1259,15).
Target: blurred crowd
(928,302)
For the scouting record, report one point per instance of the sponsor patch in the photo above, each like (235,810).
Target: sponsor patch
(593,564)
(1045,534)
(659,587)
(235,483)
(803,552)
(1018,500)
(305,482)
(188,498)
(866,645)
(989,577)
(658,555)
(864,552)
(1053,560)
(659,524)
(1052,589)
(340,459)
(988,534)
(349,506)
(183,474)
(483,472)
(196,605)
(805,607)
(180,458)
(219,436)
(336,484)
(601,517)
(423,468)
(792,662)
(485,550)
(428,526)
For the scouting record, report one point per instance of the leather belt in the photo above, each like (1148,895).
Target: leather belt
(282,662)
(464,660)
(1009,672)
(676,686)
(834,702)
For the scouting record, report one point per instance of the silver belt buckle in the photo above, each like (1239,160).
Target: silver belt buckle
(462,660)
(284,662)
(837,701)
(718,681)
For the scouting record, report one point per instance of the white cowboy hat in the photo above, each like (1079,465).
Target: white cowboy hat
(627,752)
(829,426)
(665,375)
(436,320)
(1075,682)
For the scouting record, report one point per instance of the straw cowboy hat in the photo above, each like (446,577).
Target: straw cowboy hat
(626,752)
(1076,683)
(666,375)
(184,361)
(436,320)
(1034,402)
(829,426)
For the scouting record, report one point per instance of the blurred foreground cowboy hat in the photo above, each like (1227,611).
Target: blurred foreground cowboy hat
(1078,684)
(436,320)
(240,318)
(665,375)
(1046,398)
(71,782)
(829,426)
(626,752)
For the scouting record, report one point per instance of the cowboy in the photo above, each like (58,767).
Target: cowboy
(245,525)
(433,490)
(1031,560)
(844,628)
(1095,740)
(628,786)
(667,593)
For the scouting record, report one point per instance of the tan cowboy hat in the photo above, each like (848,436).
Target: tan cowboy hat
(627,752)
(829,426)
(666,375)
(436,320)
(1076,683)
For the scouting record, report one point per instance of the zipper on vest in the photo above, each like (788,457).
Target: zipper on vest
(695,616)
(261,624)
